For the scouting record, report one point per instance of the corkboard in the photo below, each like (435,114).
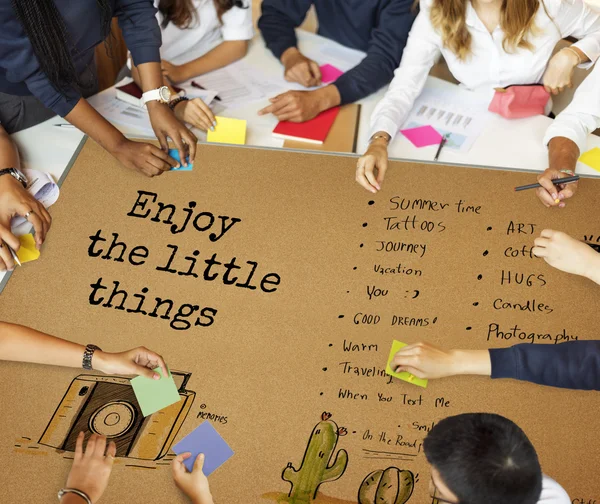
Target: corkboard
(273,359)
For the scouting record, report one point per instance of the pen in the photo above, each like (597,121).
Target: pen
(65,125)
(565,180)
(12,252)
(196,85)
(442,143)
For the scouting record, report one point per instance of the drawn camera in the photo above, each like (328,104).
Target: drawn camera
(106,405)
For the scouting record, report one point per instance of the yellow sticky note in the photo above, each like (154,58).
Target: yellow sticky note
(407,377)
(229,131)
(591,158)
(27,252)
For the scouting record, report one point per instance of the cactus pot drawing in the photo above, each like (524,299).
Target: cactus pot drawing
(388,486)
(319,464)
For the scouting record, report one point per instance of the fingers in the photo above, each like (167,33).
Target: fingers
(9,238)
(162,140)
(36,221)
(568,191)
(178,466)
(111,452)
(365,165)
(199,462)
(205,109)
(547,233)
(79,446)
(191,142)
(7,262)
(100,447)
(277,103)
(91,445)
(541,242)
(316,72)
(168,161)
(540,251)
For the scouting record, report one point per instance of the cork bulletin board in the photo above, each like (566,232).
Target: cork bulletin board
(274,285)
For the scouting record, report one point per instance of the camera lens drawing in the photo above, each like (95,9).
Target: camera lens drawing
(113,420)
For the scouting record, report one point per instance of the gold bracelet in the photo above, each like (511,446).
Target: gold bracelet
(575,53)
(380,135)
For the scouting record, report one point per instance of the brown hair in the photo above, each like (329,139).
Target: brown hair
(516,20)
(182,12)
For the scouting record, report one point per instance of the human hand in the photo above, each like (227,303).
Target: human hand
(550,193)
(7,263)
(197,113)
(174,73)
(16,200)
(371,167)
(295,106)
(138,361)
(143,157)
(91,470)
(559,72)
(193,484)
(165,124)
(567,254)
(300,69)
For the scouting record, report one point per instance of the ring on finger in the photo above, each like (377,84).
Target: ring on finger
(28,214)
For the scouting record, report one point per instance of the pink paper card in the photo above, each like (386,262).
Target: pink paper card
(329,73)
(422,136)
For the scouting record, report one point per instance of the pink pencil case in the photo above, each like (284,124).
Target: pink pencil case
(516,102)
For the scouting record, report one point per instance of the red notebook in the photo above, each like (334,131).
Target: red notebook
(313,131)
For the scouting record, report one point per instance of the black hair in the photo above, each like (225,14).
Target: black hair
(485,458)
(182,12)
(49,38)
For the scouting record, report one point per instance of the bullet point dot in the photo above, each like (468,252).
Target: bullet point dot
(371,202)
(340,316)
(324,369)
(365,224)
(485,253)
(330,344)
(362,245)
(479,277)
(469,328)
(321,393)
(489,228)
(347,292)
(354,268)
(476,303)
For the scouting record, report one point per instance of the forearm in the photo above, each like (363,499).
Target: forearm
(225,53)
(9,156)
(22,344)
(594,270)
(562,154)
(150,76)
(471,362)
(94,125)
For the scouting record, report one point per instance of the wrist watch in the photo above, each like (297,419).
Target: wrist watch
(18,174)
(162,95)
(87,356)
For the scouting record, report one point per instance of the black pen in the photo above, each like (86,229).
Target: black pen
(559,181)
(196,85)
(442,143)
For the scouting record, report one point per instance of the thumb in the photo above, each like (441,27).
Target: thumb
(199,463)
(145,372)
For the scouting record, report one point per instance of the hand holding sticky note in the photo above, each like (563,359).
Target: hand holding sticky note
(420,382)
(228,131)
(174,153)
(204,439)
(154,395)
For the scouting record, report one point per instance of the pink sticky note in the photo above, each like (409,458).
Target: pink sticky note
(422,136)
(329,73)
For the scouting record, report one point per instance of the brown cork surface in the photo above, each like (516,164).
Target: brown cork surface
(299,324)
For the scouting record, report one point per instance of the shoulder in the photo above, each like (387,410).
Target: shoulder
(553,493)
(240,13)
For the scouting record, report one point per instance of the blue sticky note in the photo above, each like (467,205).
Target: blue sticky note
(204,439)
(174,153)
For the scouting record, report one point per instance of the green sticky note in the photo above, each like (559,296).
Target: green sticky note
(154,395)
(591,158)
(407,377)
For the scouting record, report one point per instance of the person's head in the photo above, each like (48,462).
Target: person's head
(50,40)
(182,12)
(482,457)
(516,20)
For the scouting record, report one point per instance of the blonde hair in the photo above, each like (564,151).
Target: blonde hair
(516,20)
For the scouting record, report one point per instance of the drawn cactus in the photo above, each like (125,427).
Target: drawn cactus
(317,465)
(389,486)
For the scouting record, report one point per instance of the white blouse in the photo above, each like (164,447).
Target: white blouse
(206,32)
(488,66)
(553,493)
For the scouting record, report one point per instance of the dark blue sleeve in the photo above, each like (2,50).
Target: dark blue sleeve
(572,365)
(278,20)
(20,63)
(386,45)
(137,20)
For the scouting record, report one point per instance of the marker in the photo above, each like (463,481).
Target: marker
(442,143)
(12,252)
(196,85)
(565,180)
